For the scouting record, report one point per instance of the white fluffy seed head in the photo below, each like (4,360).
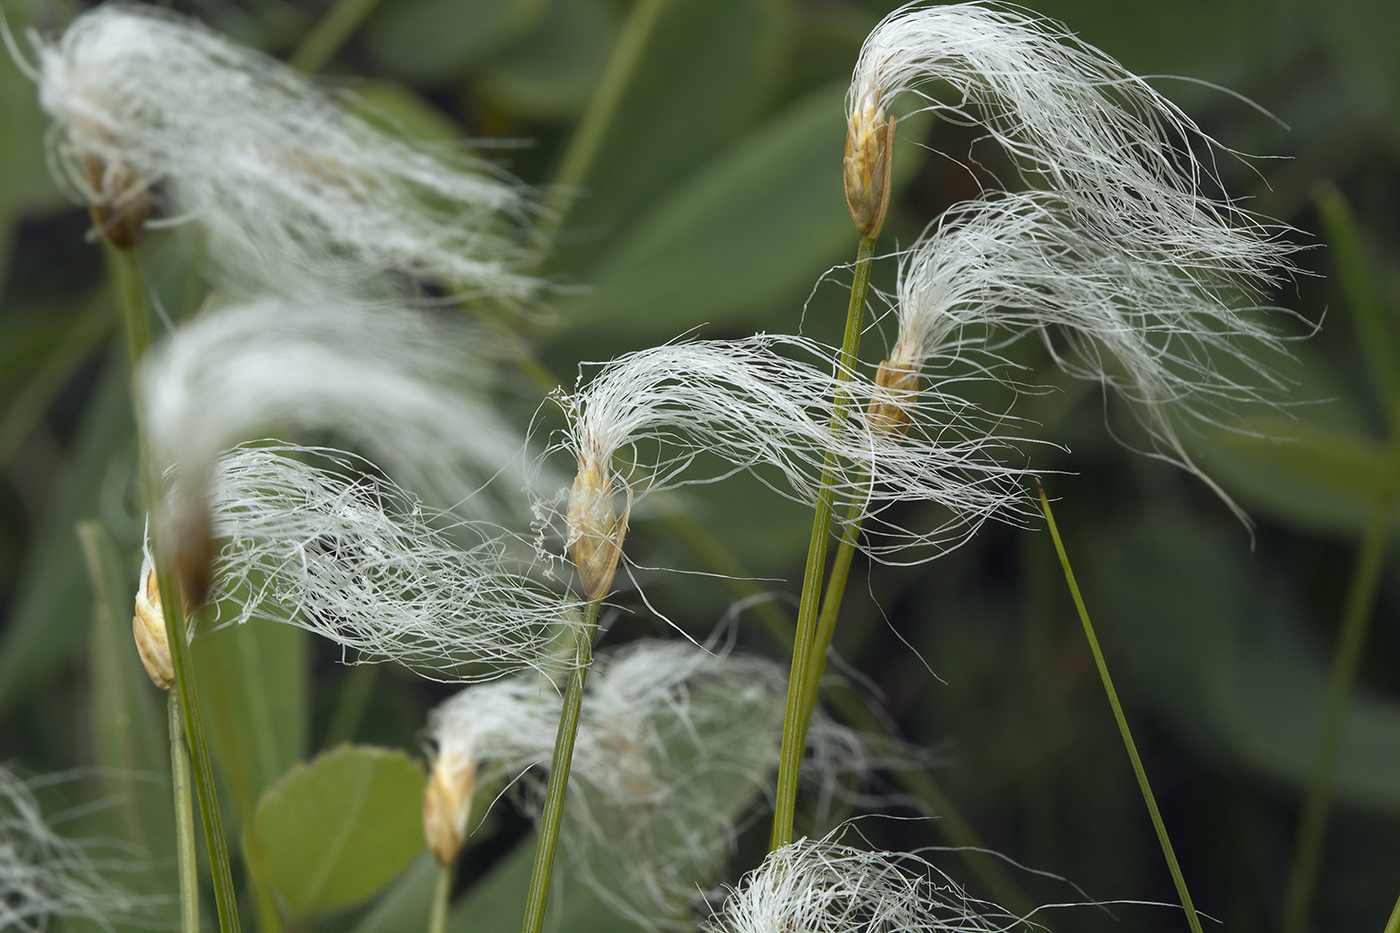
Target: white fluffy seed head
(674,746)
(291,187)
(402,386)
(698,412)
(825,886)
(45,877)
(363,563)
(1072,120)
(1174,337)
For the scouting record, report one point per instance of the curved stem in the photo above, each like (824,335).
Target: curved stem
(184,820)
(138,338)
(795,721)
(553,814)
(442,900)
(1147,796)
(589,135)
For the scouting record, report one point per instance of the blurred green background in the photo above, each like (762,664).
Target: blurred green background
(713,207)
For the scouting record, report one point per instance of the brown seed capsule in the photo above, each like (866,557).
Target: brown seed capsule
(148,628)
(118,201)
(594,529)
(892,410)
(869,160)
(447,805)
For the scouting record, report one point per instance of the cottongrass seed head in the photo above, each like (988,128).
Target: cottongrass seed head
(294,189)
(675,746)
(1072,120)
(359,561)
(700,411)
(1176,344)
(826,886)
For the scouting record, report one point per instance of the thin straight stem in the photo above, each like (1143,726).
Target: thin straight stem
(553,814)
(583,147)
(1172,865)
(330,33)
(826,621)
(138,339)
(794,722)
(442,900)
(184,819)
(1346,663)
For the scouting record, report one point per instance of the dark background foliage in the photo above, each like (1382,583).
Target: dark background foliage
(713,207)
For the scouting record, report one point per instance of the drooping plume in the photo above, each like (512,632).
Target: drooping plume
(296,192)
(361,562)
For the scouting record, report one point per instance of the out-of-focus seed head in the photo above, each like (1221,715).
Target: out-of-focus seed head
(447,805)
(148,628)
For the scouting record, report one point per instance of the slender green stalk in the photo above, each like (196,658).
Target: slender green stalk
(442,900)
(795,722)
(1351,642)
(826,621)
(1147,796)
(138,337)
(596,120)
(553,814)
(330,33)
(184,820)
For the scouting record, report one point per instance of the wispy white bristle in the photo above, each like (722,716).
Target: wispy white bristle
(1074,121)
(46,877)
(697,412)
(361,562)
(1173,337)
(825,886)
(674,745)
(293,189)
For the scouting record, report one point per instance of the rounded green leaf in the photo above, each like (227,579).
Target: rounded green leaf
(336,830)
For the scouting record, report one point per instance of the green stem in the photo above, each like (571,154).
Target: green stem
(794,722)
(1351,642)
(138,338)
(826,621)
(553,814)
(184,820)
(1191,918)
(330,33)
(596,120)
(442,900)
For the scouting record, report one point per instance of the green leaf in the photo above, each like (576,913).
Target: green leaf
(436,40)
(1317,477)
(551,73)
(405,111)
(745,237)
(335,831)
(253,687)
(406,906)
(709,69)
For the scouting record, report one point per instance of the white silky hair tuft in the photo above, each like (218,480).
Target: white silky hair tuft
(697,412)
(1173,337)
(311,538)
(45,876)
(674,746)
(404,386)
(826,886)
(1072,120)
(296,192)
